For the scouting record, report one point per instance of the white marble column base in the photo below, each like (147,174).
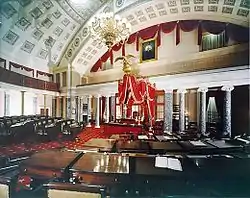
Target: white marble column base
(97,127)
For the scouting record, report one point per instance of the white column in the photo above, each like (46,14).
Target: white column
(69,92)
(107,109)
(202,114)
(97,119)
(168,110)
(227,110)
(89,110)
(182,109)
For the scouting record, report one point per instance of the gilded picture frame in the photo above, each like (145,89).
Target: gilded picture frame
(148,50)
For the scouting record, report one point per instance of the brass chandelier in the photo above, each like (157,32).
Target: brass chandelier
(110,29)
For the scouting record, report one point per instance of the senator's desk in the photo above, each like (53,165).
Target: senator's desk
(118,128)
(139,175)
(98,144)
(225,146)
(198,147)
(101,169)
(131,146)
(49,164)
(164,147)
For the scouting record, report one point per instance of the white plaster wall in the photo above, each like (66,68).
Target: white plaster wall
(28,103)
(188,44)
(40,102)
(15,102)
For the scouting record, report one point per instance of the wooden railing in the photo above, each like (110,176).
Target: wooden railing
(14,78)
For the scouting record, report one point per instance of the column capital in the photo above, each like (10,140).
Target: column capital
(181,90)
(97,95)
(168,90)
(227,88)
(112,94)
(202,89)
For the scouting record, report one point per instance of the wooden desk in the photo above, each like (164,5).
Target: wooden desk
(132,146)
(164,147)
(104,145)
(101,169)
(48,164)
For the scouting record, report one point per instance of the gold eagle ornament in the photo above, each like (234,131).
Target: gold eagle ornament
(127,65)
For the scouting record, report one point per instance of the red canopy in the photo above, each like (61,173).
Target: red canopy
(137,91)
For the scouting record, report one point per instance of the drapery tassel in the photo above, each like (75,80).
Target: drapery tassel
(111,57)
(137,42)
(159,36)
(177,36)
(199,33)
(123,49)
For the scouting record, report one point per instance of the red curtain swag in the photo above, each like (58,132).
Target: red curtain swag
(149,33)
(21,67)
(43,74)
(211,27)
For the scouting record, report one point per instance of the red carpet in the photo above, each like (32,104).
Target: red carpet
(86,135)
(22,149)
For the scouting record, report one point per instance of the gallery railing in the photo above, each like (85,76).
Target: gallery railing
(14,78)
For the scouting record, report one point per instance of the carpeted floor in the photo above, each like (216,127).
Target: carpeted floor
(23,149)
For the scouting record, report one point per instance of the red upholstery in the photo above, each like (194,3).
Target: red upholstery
(85,135)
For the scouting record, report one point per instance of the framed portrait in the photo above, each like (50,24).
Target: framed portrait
(148,50)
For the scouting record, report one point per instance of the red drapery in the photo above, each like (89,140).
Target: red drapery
(133,91)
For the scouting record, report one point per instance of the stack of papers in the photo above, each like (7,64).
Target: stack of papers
(142,137)
(243,140)
(166,162)
(197,143)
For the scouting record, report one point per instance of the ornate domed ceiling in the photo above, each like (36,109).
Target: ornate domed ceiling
(27,26)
